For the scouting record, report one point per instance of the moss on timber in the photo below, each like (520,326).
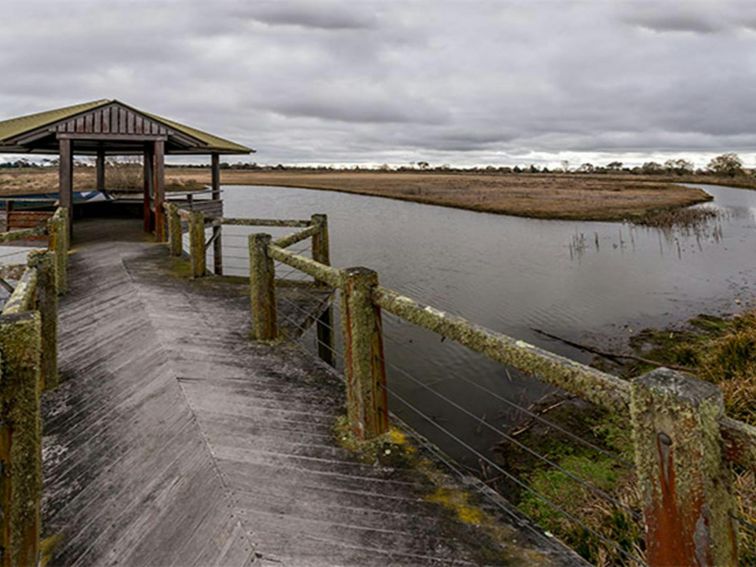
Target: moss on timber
(47,549)
(20,343)
(721,349)
(464,515)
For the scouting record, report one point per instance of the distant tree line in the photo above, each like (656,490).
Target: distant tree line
(728,164)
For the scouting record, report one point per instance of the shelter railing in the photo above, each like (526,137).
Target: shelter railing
(54,230)
(683,444)
(28,355)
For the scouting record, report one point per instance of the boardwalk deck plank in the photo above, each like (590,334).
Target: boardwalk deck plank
(174,440)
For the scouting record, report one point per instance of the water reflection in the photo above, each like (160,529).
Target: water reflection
(584,281)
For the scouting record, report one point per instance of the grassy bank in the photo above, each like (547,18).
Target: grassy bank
(38,180)
(721,350)
(537,196)
(552,196)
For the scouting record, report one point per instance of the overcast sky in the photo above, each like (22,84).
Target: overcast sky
(466,82)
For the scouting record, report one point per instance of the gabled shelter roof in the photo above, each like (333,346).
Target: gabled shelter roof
(108,123)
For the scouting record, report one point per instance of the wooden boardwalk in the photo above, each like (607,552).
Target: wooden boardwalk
(174,440)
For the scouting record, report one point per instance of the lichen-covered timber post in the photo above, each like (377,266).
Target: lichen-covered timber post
(20,438)
(47,305)
(66,221)
(174,229)
(364,365)
(197,243)
(58,244)
(682,477)
(262,293)
(321,253)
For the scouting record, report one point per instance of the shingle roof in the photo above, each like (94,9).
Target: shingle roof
(19,125)
(15,126)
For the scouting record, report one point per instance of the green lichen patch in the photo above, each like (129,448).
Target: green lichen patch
(47,549)
(391,449)
(462,511)
(180,267)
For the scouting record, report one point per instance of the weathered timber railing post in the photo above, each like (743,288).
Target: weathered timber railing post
(174,230)
(197,243)
(58,239)
(67,231)
(682,477)
(20,438)
(217,250)
(262,293)
(364,366)
(47,305)
(324,325)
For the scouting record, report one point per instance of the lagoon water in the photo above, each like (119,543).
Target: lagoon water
(594,282)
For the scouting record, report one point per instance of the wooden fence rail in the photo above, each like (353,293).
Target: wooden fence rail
(28,355)
(684,444)
(682,440)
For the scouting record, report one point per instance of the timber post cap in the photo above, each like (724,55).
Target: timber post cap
(360,276)
(261,237)
(38,257)
(675,384)
(360,272)
(319,218)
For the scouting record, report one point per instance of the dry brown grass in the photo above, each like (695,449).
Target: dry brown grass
(120,177)
(540,196)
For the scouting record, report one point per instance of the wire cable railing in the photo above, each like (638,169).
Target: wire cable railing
(272,262)
(533,415)
(524,486)
(499,431)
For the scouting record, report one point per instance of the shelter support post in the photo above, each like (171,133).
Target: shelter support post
(100,169)
(159,190)
(65,179)
(215,186)
(149,179)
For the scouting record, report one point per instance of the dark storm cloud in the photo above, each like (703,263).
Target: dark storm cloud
(375,81)
(678,23)
(313,14)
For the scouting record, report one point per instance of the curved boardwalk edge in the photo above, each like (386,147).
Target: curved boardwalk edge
(173,439)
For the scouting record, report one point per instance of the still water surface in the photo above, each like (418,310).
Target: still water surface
(594,282)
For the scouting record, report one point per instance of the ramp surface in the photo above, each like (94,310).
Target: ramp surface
(174,440)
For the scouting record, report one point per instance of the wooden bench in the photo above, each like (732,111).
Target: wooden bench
(20,219)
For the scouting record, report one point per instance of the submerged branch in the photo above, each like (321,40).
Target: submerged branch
(615,357)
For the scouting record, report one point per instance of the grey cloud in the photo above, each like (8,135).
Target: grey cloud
(311,14)
(680,22)
(375,81)
(355,109)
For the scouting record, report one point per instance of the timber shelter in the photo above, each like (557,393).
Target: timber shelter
(108,128)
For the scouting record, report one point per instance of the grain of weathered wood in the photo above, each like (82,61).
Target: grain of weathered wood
(175,440)
(128,477)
